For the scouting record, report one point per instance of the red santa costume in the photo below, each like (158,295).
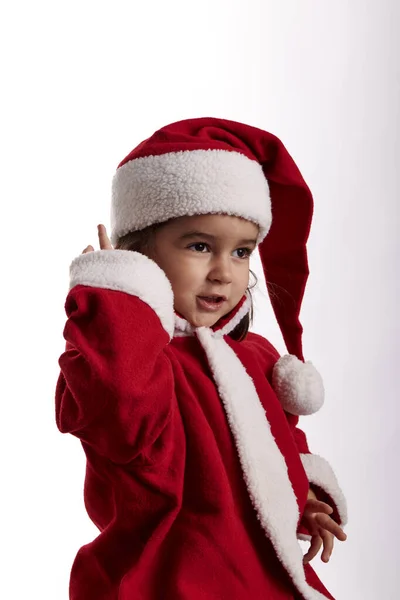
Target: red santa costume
(197,474)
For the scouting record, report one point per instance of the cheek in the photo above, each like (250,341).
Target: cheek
(242,280)
(184,278)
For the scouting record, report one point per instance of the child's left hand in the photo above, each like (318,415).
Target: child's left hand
(322,528)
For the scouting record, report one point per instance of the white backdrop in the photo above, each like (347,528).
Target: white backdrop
(82,83)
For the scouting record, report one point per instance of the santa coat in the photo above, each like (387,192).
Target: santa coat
(196,475)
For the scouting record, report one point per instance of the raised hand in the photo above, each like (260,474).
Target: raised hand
(322,528)
(104,240)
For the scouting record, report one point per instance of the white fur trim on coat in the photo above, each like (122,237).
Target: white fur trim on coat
(264,467)
(304,537)
(129,272)
(320,473)
(230,326)
(298,385)
(154,189)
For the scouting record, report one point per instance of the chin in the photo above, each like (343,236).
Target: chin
(207,321)
(197,320)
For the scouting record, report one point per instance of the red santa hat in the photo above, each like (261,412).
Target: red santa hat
(216,166)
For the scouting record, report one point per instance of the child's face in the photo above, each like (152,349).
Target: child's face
(203,256)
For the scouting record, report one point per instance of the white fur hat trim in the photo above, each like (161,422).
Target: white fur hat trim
(154,189)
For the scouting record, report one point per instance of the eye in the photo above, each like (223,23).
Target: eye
(199,247)
(243,252)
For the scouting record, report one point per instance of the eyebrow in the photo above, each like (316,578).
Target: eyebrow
(209,236)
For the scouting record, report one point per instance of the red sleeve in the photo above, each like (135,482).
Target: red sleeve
(115,389)
(298,434)
(299,389)
(320,474)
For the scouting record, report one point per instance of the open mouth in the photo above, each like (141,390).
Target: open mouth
(210,302)
(215,299)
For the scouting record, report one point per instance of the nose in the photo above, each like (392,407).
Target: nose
(220,270)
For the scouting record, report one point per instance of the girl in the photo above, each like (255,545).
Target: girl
(198,477)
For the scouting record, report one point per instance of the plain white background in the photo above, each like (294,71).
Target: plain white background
(83,83)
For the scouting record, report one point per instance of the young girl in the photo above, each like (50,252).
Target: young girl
(197,476)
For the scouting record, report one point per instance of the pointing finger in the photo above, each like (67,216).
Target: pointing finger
(105,243)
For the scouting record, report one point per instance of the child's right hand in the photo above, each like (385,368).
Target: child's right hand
(104,240)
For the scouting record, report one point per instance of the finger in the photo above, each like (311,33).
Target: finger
(316,543)
(105,243)
(328,541)
(330,525)
(316,506)
(308,520)
(88,249)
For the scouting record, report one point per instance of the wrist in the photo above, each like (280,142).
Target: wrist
(311,494)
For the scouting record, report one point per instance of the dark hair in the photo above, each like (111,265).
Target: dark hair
(141,241)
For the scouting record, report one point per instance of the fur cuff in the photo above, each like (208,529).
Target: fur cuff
(320,473)
(304,537)
(298,385)
(129,272)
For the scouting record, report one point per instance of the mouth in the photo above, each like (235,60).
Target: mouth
(211,303)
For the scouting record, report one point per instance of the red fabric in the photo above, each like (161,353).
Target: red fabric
(302,446)
(283,252)
(163,483)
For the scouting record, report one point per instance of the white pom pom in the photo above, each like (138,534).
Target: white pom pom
(298,385)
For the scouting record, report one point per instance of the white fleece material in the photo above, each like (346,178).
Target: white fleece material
(129,272)
(320,473)
(230,326)
(263,465)
(154,189)
(298,385)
